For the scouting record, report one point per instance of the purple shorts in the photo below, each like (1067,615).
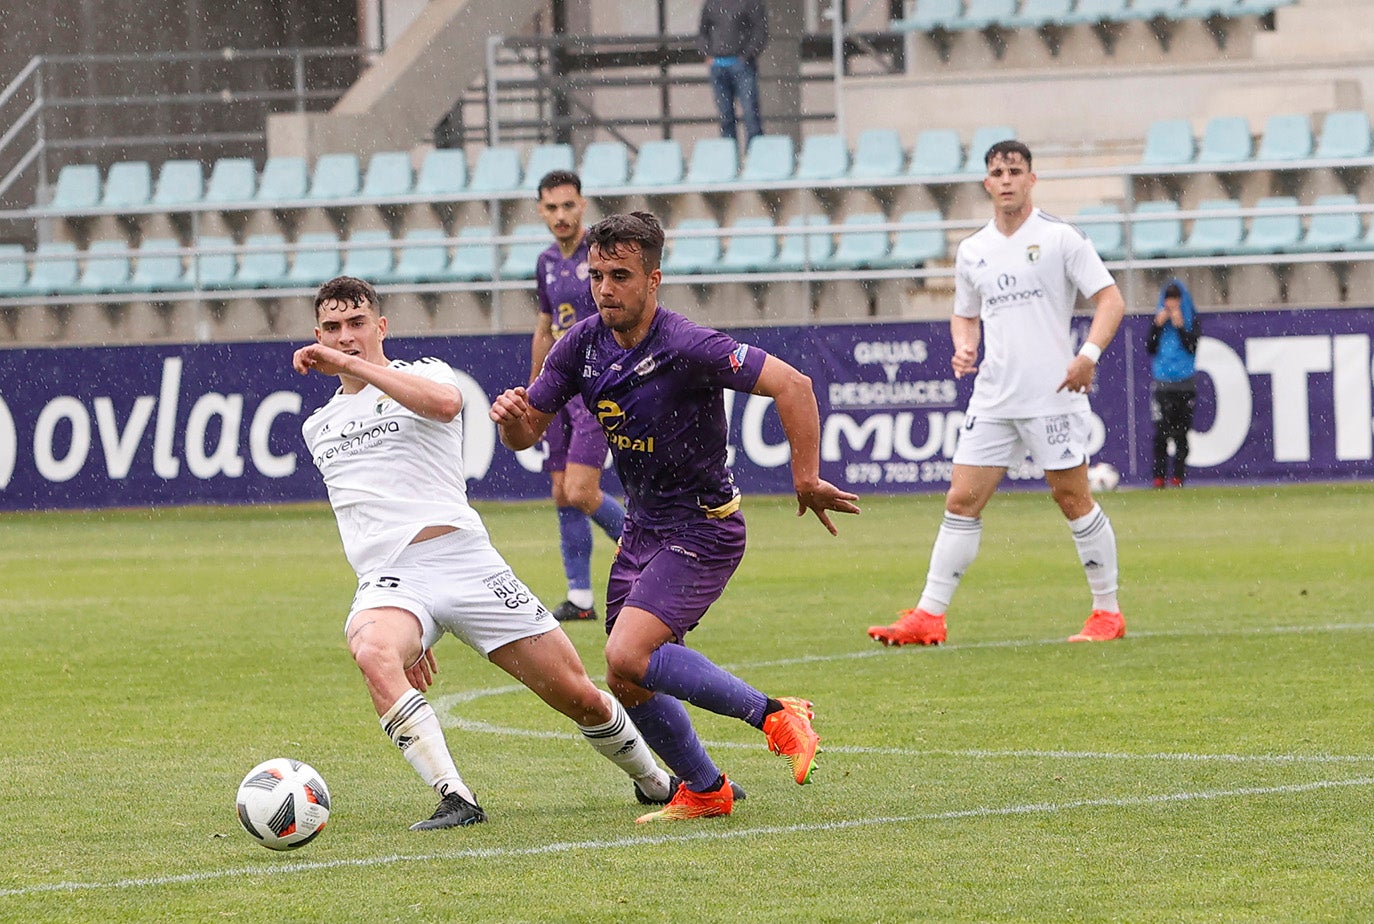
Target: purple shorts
(675,572)
(574,436)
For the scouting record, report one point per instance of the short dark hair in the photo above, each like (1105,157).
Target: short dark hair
(348,289)
(556,178)
(1003,148)
(641,228)
(1173,291)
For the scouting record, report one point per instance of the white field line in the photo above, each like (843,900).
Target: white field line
(713,832)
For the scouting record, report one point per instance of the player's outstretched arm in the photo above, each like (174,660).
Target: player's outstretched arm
(801,422)
(1110,308)
(520,424)
(430,399)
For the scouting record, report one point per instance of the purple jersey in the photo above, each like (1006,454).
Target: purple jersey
(565,295)
(661,407)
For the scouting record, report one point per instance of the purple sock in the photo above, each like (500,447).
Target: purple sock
(691,676)
(575,540)
(666,728)
(610,516)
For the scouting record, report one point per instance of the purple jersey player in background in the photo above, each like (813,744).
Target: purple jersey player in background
(655,382)
(577,448)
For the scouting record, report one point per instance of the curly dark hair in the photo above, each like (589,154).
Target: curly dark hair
(641,228)
(350,289)
(1003,148)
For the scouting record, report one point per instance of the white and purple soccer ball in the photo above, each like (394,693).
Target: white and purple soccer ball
(283,803)
(1103,476)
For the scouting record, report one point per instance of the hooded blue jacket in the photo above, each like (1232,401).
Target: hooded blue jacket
(1174,349)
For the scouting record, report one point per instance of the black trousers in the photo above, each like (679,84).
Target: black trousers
(1172,410)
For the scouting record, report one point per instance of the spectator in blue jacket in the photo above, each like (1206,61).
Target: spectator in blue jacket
(1173,387)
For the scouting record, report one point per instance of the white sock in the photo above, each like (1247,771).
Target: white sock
(619,742)
(582,599)
(414,728)
(956,546)
(1096,542)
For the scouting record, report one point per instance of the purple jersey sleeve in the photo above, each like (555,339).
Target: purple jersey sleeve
(723,362)
(558,381)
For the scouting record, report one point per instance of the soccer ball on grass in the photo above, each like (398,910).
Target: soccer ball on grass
(283,803)
(1103,477)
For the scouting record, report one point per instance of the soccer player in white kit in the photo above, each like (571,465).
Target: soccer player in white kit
(389,445)
(1016,280)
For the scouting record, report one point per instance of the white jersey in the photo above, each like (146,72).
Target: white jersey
(1023,287)
(389,471)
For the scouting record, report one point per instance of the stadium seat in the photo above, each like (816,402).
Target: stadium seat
(1345,133)
(1259,7)
(369,255)
(262,269)
(1214,234)
(474,257)
(129,184)
(1151,9)
(984,14)
(78,187)
(688,255)
(444,172)
(984,138)
(878,155)
(14,270)
(497,171)
(859,247)
(320,260)
(929,15)
(179,182)
(423,257)
(800,251)
(916,246)
(659,163)
(283,179)
(1332,230)
(823,157)
(714,161)
(1156,236)
(523,256)
(337,176)
(1088,12)
(1206,9)
(769,159)
(1225,140)
(1169,143)
(217,269)
(1034,14)
(389,174)
(1108,237)
(938,152)
(605,165)
(56,273)
(158,271)
(750,253)
(1286,137)
(542,159)
(106,269)
(1273,233)
(232,180)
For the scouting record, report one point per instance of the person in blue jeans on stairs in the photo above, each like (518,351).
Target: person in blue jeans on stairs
(731,35)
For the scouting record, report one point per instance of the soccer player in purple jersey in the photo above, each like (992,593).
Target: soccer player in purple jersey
(577,447)
(655,382)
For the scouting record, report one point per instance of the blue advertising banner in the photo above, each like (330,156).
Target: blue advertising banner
(1283,396)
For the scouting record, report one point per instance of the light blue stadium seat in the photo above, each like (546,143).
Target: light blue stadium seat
(878,155)
(1333,230)
(233,180)
(14,270)
(984,138)
(423,257)
(605,165)
(1168,143)
(337,176)
(283,179)
(688,255)
(1225,140)
(1036,13)
(928,15)
(389,174)
(983,14)
(78,187)
(1206,9)
(263,269)
(1152,9)
(179,182)
(1159,235)
(800,251)
(158,269)
(214,270)
(543,159)
(1345,133)
(750,253)
(823,157)
(1286,137)
(522,256)
(1259,7)
(714,161)
(859,247)
(659,163)
(56,274)
(1091,11)
(497,171)
(916,246)
(474,257)
(1108,237)
(319,261)
(769,159)
(938,152)
(369,255)
(106,269)
(1273,233)
(129,184)
(444,172)
(1214,234)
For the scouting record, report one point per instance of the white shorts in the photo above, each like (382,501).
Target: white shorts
(1054,443)
(456,583)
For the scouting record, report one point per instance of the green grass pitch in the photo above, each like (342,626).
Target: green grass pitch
(1216,765)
